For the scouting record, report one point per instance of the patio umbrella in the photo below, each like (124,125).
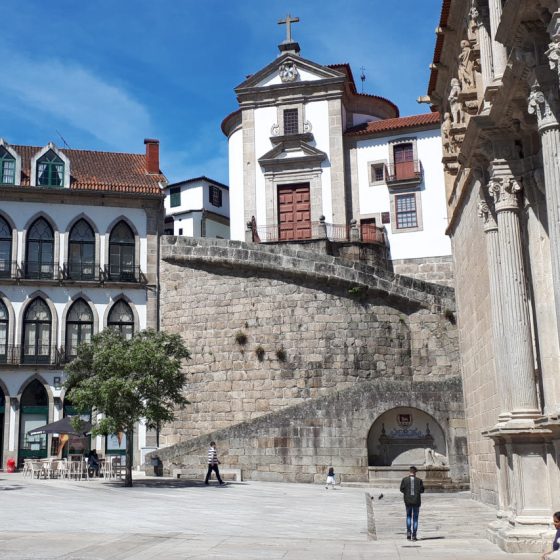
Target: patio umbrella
(63,426)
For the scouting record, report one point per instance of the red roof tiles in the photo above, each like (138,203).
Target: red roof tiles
(100,171)
(387,125)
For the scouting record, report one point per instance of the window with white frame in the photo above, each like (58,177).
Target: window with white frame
(7,167)
(406,211)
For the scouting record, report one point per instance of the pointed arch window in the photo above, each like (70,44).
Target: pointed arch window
(121,318)
(40,251)
(4,324)
(122,254)
(7,167)
(5,248)
(37,327)
(81,252)
(34,412)
(50,170)
(79,327)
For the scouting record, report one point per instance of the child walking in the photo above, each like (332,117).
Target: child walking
(330,478)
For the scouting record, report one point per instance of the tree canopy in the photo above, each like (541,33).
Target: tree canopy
(126,380)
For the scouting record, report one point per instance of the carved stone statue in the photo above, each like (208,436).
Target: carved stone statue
(446,138)
(454,103)
(465,72)
(474,23)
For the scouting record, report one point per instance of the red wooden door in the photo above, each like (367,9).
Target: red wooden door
(294,212)
(404,161)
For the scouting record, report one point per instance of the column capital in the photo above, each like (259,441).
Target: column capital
(485,213)
(505,192)
(542,104)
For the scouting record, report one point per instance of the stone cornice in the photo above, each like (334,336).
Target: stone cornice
(288,261)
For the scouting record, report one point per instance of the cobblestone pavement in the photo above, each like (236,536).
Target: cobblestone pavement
(167,520)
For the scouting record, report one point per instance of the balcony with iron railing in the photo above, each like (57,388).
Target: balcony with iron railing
(404,173)
(69,272)
(316,231)
(47,355)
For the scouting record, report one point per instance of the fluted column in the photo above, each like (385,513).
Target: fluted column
(496,304)
(499,54)
(479,15)
(516,327)
(542,104)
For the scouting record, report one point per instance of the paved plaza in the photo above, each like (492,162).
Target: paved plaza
(178,519)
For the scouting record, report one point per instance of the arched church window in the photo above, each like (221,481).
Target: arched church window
(5,248)
(40,251)
(121,253)
(121,319)
(37,324)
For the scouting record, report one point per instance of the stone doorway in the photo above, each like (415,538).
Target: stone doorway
(294,212)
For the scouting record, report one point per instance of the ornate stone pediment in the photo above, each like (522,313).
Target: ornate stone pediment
(290,152)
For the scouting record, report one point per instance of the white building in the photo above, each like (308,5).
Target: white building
(304,145)
(197,207)
(78,253)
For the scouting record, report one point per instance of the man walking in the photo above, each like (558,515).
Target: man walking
(213,463)
(412,487)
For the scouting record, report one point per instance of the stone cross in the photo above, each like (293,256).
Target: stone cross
(288,23)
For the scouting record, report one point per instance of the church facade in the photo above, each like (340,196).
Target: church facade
(495,81)
(307,152)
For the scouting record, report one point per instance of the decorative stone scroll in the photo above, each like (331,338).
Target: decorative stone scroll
(540,106)
(505,191)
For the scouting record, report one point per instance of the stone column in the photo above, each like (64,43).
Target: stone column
(497,305)
(516,328)
(479,15)
(542,104)
(499,54)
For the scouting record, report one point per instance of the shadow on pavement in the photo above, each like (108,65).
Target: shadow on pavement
(169,483)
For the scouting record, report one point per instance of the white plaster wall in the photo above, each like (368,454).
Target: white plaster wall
(265,117)
(186,223)
(192,198)
(236,190)
(215,229)
(317,113)
(223,210)
(62,215)
(360,118)
(432,241)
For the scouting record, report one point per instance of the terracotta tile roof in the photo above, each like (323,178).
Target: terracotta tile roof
(99,171)
(445,9)
(387,125)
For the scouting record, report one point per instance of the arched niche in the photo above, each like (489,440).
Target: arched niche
(406,436)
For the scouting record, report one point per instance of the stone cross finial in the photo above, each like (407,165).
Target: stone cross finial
(288,23)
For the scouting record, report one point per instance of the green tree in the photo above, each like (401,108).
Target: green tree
(128,380)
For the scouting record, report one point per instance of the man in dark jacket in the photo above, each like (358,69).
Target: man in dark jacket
(412,487)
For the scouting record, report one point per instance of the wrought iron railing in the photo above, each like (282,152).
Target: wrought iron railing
(81,272)
(40,270)
(405,172)
(123,274)
(314,231)
(29,355)
(8,269)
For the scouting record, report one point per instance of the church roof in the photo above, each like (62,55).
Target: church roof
(387,125)
(99,171)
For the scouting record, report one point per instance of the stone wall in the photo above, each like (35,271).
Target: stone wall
(429,269)
(299,443)
(274,327)
(476,347)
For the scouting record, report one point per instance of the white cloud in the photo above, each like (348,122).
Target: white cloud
(73,94)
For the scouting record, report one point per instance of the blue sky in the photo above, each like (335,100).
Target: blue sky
(105,74)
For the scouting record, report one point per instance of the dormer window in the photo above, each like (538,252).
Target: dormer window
(50,170)
(7,167)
